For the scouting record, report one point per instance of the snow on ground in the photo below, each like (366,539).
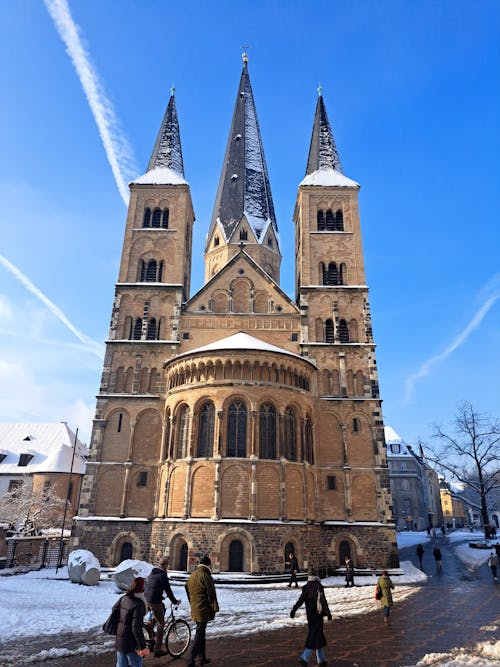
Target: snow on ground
(54,605)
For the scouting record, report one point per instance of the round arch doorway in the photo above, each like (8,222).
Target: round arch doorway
(236,556)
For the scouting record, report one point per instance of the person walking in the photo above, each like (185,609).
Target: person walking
(437,557)
(493,563)
(294,568)
(386,600)
(130,642)
(420,553)
(349,572)
(200,589)
(156,584)
(313,596)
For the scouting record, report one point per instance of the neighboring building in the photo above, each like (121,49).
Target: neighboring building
(238,421)
(414,486)
(454,515)
(471,501)
(42,455)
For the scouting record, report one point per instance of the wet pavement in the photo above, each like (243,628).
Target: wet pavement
(454,608)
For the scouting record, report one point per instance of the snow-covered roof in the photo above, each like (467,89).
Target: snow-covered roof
(50,445)
(329,177)
(242,341)
(391,436)
(160,176)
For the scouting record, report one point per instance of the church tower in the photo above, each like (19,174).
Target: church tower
(336,333)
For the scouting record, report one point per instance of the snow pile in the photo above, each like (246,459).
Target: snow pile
(83,568)
(129,570)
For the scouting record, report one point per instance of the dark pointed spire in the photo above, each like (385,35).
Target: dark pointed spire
(167,151)
(244,188)
(323,152)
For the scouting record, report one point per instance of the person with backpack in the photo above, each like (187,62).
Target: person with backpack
(130,642)
(313,596)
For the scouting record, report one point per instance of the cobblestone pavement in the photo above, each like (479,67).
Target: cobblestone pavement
(453,609)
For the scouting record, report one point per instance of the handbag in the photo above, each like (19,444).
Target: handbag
(111,623)
(378,592)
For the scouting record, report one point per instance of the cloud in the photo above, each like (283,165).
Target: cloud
(90,345)
(116,146)
(491,294)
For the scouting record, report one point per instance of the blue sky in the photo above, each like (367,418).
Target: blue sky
(412,92)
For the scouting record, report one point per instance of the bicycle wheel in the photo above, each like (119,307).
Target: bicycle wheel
(178,637)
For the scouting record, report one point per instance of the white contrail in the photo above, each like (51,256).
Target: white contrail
(427,366)
(90,344)
(115,143)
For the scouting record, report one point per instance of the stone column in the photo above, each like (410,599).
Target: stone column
(216,513)
(253,431)
(126,482)
(187,490)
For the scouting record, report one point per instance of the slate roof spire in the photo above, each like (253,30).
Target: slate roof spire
(244,188)
(323,152)
(167,151)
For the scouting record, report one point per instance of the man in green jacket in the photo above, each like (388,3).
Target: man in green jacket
(202,597)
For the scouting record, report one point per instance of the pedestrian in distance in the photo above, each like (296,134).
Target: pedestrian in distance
(200,589)
(386,586)
(349,572)
(313,596)
(420,553)
(130,642)
(443,529)
(294,568)
(437,557)
(493,563)
(156,584)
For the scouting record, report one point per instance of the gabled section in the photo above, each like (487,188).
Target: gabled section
(323,152)
(167,151)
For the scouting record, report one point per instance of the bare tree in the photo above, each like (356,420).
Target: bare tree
(470,455)
(29,511)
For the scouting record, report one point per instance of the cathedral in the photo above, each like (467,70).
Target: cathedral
(237,421)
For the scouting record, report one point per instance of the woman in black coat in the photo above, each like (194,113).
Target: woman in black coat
(313,595)
(130,642)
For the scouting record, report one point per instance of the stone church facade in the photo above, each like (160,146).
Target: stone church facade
(239,422)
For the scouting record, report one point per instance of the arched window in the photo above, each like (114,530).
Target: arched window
(343,332)
(329,337)
(333,274)
(156,218)
(290,435)
(206,430)
(151,332)
(151,269)
(237,429)
(309,452)
(164,218)
(182,433)
(236,556)
(147,218)
(321,221)
(267,431)
(136,333)
(329,221)
(243,235)
(339,221)
(142,271)
(160,272)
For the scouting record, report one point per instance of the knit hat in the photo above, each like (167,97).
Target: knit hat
(205,561)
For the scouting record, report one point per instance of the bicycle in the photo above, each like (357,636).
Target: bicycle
(177,635)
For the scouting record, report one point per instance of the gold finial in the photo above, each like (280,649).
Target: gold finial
(244,55)
(320,90)
(172,89)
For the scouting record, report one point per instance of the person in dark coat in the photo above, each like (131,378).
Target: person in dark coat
(349,572)
(386,600)
(156,584)
(130,642)
(313,595)
(294,568)
(200,589)
(437,557)
(420,553)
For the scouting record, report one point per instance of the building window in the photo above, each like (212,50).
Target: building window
(329,221)
(405,485)
(243,235)
(151,332)
(216,241)
(329,335)
(339,221)
(206,427)
(332,482)
(267,431)
(137,329)
(24,459)
(142,479)
(295,337)
(151,269)
(120,419)
(404,465)
(156,218)
(147,218)
(182,435)
(309,452)
(290,435)
(164,218)
(321,221)
(356,425)
(270,242)
(343,332)
(237,429)
(395,448)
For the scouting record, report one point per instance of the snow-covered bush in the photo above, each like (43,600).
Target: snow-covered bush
(130,569)
(83,567)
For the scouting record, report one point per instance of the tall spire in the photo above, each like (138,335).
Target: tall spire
(323,152)
(244,188)
(167,151)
